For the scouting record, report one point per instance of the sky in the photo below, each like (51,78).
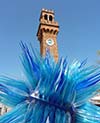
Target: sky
(78,38)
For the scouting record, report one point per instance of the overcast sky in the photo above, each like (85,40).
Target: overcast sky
(79,35)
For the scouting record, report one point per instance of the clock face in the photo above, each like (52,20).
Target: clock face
(50,42)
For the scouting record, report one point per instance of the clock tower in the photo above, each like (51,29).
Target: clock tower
(47,33)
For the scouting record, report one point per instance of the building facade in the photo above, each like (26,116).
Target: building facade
(3,109)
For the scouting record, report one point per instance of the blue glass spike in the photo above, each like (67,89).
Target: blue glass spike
(61,91)
(83,63)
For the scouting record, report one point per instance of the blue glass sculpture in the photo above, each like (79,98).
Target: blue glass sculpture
(52,92)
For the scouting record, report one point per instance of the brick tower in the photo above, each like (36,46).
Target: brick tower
(47,33)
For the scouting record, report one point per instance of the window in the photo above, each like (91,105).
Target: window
(46,17)
(50,18)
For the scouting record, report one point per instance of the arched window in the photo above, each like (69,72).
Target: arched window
(50,18)
(46,17)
